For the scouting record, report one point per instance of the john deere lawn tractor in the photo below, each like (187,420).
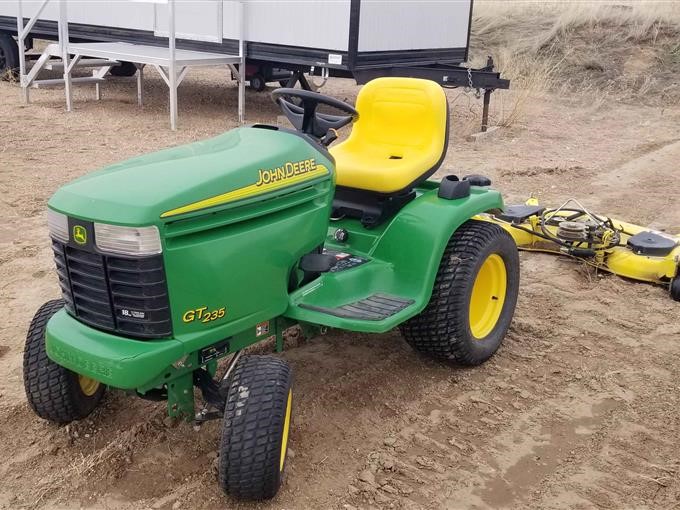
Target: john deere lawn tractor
(171,261)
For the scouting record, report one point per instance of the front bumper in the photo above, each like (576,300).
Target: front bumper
(115,361)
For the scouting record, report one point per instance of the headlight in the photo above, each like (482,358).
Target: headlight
(135,241)
(57,224)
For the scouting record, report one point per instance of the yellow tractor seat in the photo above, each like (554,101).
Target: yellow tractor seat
(400,138)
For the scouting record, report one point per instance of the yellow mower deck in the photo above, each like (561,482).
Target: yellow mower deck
(619,259)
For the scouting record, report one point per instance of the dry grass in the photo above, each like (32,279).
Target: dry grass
(596,49)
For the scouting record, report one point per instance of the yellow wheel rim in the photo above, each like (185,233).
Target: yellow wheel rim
(286,428)
(488,296)
(88,386)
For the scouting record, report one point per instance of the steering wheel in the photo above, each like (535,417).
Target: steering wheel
(305,117)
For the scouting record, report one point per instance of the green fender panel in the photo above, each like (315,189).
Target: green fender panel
(404,258)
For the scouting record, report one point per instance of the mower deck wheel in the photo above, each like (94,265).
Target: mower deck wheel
(675,287)
(473,299)
(54,392)
(255,428)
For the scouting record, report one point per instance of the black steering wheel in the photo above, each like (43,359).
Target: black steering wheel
(304,116)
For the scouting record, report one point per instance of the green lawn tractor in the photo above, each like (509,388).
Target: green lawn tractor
(171,261)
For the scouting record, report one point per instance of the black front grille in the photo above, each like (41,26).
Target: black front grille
(122,295)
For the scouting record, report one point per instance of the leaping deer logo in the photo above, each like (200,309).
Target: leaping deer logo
(79,234)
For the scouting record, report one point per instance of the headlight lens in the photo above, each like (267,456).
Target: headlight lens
(134,241)
(57,224)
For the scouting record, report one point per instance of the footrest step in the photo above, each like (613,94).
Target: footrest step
(373,308)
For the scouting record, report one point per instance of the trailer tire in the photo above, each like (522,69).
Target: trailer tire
(255,428)
(9,57)
(473,299)
(125,69)
(54,392)
(257,82)
(675,287)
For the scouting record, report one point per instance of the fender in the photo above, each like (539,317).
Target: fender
(415,240)
(403,255)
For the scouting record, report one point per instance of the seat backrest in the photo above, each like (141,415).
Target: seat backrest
(403,115)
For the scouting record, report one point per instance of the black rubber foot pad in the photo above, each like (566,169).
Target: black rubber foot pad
(374,308)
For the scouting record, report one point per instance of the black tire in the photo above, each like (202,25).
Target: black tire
(54,392)
(257,82)
(255,428)
(9,57)
(444,329)
(126,69)
(675,287)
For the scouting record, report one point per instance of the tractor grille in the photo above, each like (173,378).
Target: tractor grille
(127,296)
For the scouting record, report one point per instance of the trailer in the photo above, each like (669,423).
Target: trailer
(280,40)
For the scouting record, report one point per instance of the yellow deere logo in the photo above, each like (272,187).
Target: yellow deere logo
(79,234)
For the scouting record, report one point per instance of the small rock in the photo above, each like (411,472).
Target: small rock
(390,441)
(290,453)
(388,488)
(352,490)
(367,476)
(212,455)
(524,394)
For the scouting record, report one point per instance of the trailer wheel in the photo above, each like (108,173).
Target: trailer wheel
(255,428)
(675,287)
(54,392)
(126,69)
(9,56)
(473,299)
(257,82)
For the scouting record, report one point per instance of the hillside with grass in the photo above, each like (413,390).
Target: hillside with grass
(627,50)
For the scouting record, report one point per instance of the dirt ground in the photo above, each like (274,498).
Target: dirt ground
(578,409)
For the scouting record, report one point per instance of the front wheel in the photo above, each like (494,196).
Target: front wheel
(473,299)
(54,392)
(255,428)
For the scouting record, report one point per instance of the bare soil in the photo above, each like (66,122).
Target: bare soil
(578,409)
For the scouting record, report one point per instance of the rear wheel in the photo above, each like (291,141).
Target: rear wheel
(54,392)
(9,56)
(255,429)
(473,299)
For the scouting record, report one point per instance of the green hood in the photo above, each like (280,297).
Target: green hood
(204,175)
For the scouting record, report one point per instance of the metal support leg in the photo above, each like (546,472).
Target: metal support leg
(172,71)
(63,46)
(140,82)
(22,53)
(485,110)
(242,66)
